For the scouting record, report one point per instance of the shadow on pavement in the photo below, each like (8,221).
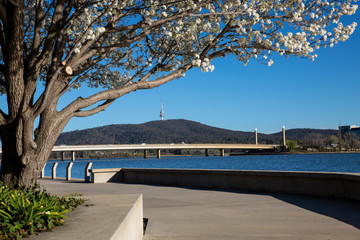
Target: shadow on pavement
(346,211)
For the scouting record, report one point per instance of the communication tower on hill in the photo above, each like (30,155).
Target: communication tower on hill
(162,115)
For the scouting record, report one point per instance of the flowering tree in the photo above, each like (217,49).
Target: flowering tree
(48,47)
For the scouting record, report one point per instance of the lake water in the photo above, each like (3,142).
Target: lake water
(349,162)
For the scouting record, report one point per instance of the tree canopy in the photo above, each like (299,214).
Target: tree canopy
(113,44)
(49,47)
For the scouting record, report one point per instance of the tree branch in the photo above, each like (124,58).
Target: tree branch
(86,53)
(2,12)
(53,32)
(37,29)
(3,83)
(3,118)
(95,110)
(41,103)
(81,103)
(217,39)
(2,34)
(2,69)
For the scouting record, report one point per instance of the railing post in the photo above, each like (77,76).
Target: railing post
(42,173)
(62,156)
(158,154)
(87,173)
(72,156)
(53,172)
(68,171)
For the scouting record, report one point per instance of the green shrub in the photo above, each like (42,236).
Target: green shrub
(291,145)
(25,211)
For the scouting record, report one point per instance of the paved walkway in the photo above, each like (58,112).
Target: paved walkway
(184,213)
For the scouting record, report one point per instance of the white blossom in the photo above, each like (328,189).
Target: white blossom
(122,41)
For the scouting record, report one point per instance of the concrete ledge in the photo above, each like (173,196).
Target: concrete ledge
(102,217)
(339,185)
(132,225)
(105,175)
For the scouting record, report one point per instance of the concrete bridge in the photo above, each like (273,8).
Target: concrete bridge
(159,147)
(175,146)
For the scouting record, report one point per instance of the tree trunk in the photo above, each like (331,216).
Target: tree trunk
(16,172)
(13,172)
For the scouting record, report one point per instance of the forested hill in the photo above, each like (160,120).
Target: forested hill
(178,131)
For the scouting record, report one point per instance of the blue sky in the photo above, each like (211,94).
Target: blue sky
(297,93)
(294,92)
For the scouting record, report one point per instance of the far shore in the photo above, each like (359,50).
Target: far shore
(296,152)
(245,154)
(323,152)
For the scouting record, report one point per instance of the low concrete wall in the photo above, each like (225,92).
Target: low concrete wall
(102,217)
(105,175)
(132,225)
(339,185)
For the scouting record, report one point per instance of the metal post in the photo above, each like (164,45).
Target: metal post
(68,171)
(158,154)
(284,139)
(72,156)
(256,137)
(53,172)
(62,156)
(87,173)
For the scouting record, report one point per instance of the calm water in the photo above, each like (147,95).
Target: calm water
(308,162)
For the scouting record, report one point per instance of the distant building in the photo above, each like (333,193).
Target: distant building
(349,129)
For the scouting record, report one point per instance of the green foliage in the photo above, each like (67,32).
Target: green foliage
(291,145)
(25,211)
(332,140)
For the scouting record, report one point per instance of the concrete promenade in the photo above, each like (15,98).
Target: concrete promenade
(186,213)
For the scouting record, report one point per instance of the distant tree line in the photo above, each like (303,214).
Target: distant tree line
(317,142)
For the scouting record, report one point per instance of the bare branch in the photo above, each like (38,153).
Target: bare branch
(55,71)
(82,103)
(43,100)
(95,110)
(61,41)
(37,29)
